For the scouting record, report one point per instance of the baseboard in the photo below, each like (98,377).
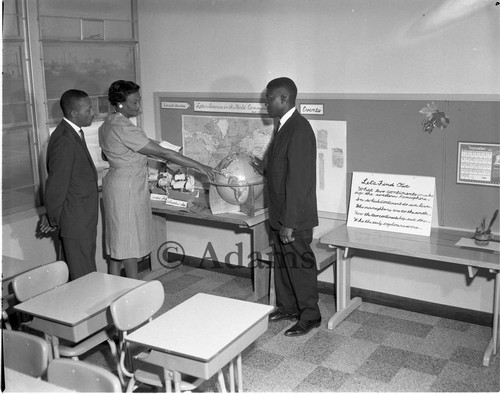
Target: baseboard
(374,297)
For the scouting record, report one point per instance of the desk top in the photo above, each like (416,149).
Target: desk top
(440,245)
(238,219)
(200,327)
(76,301)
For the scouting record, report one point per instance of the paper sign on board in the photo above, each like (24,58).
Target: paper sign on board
(391,202)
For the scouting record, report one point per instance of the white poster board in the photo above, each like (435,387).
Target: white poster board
(391,202)
(331,165)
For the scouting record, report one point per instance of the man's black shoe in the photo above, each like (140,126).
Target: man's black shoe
(302,327)
(279,315)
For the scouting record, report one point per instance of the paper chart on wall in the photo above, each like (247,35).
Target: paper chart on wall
(331,164)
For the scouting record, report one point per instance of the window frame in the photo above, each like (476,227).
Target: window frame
(35,83)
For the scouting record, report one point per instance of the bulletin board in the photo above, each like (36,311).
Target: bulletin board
(384,135)
(212,129)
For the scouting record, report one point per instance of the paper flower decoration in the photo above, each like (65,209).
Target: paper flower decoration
(434,118)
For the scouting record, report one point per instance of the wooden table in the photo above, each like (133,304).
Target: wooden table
(17,382)
(77,309)
(203,334)
(256,226)
(439,246)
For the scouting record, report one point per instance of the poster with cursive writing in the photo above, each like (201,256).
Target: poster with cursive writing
(391,202)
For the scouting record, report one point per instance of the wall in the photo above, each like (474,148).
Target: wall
(424,48)
(21,242)
(326,46)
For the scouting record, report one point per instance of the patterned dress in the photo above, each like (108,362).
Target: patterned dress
(127,206)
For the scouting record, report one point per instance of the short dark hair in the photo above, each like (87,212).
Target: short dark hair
(284,83)
(69,99)
(119,90)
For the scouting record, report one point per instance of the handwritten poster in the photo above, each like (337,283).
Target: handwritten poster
(390,202)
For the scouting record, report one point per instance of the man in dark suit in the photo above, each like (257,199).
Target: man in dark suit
(71,195)
(291,183)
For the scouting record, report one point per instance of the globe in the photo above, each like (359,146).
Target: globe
(235,178)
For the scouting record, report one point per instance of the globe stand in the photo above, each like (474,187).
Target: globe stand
(253,203)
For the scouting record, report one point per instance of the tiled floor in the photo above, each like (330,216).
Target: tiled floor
(375,349)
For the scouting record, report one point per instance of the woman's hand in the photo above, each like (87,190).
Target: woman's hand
(208,171)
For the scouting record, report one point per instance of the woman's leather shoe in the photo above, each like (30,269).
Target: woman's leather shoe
(302,327)
(279,315)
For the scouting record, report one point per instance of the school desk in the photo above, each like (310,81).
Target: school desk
(203,334)
(77,309)
(439,246)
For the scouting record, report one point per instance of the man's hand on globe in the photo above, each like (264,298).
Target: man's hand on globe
(258,165)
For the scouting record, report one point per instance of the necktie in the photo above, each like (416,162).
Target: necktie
(277,128)
(82,135)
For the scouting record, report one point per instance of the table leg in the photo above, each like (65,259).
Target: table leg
(54,343)
(231,376)
(493,344)
(48,339)
(261,273)
(177,381)
(272,287)
(160,226)
(222,384)
(168,382)
(240,373)
(345,305)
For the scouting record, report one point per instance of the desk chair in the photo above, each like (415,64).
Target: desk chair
(130,311)
(82,377)
(47,277)
(25,353)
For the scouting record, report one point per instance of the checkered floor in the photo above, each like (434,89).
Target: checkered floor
(376,348)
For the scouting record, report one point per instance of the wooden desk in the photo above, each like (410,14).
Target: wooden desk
(203,334)
(256,226)
(17,382)
(439,246)
(77,309)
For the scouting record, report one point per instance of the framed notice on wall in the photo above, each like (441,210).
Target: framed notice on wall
(478,163)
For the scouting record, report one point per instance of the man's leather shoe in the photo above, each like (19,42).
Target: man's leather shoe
(302,327)
(279,315)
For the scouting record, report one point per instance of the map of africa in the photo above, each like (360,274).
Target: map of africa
(209,139)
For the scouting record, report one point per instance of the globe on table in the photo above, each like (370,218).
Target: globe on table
(237,178)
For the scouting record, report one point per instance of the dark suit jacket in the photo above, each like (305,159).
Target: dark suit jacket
(71,195)
(291,176)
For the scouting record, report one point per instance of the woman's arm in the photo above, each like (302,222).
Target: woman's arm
(153,149)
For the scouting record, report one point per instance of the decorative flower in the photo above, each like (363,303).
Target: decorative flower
(435,118)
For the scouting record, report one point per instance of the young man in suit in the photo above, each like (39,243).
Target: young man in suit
(291,183)
(71,195)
